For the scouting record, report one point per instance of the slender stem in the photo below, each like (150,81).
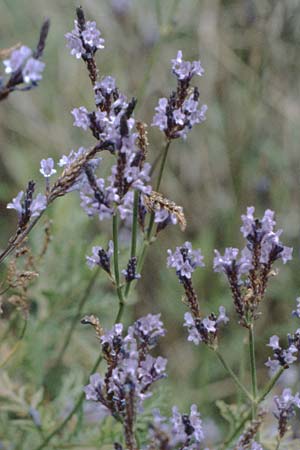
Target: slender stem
(233,376)
(253,369)
(265,392)
(76,317)
(134,233)
(278,443)
(270,385)
(159,178)
(71,413)
(116,263)
(147,240)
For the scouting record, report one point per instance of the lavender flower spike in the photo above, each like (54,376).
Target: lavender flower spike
(100,257)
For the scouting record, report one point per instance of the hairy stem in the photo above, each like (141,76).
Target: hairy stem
(253,369)
(147,240)
(134,233)
(116,264)
(233,375)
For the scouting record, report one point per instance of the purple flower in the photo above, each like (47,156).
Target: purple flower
(81,116)
(296,312)
(32,71)
(47,167)
(285,404)
(222,315)
(17,58)
(248,222)
(107,85)
(16,203)
(38,205)
(225,263)
(93,391)
(274,343)
(74,43)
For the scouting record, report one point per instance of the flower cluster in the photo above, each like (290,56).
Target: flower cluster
(24,66)
(130,273)
(178,432)
(29,207)
(286,404)
(284,357)
(131,370)
(84,40)
(101,257)
(176,115)
(248,274)
(204,330)
(185,260)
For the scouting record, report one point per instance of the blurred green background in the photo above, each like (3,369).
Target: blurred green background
(246,153)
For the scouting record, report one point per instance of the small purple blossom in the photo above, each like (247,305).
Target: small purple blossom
(296,312)
(81,116)
(47,167)
(32,71)
(38,205)
(93,390)
(17,58)
(16,203)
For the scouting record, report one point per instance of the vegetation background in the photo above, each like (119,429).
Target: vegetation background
(246,153)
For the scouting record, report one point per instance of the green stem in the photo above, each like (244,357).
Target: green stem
(253,369)
(71,413)
(116,262)
(76,317)
(278,443)
(134,233)
(233,376)
(147,240)
(265,392)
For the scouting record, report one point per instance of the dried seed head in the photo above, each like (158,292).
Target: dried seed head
(94,322)
(155,201)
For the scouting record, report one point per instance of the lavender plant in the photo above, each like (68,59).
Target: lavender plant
(123,387)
